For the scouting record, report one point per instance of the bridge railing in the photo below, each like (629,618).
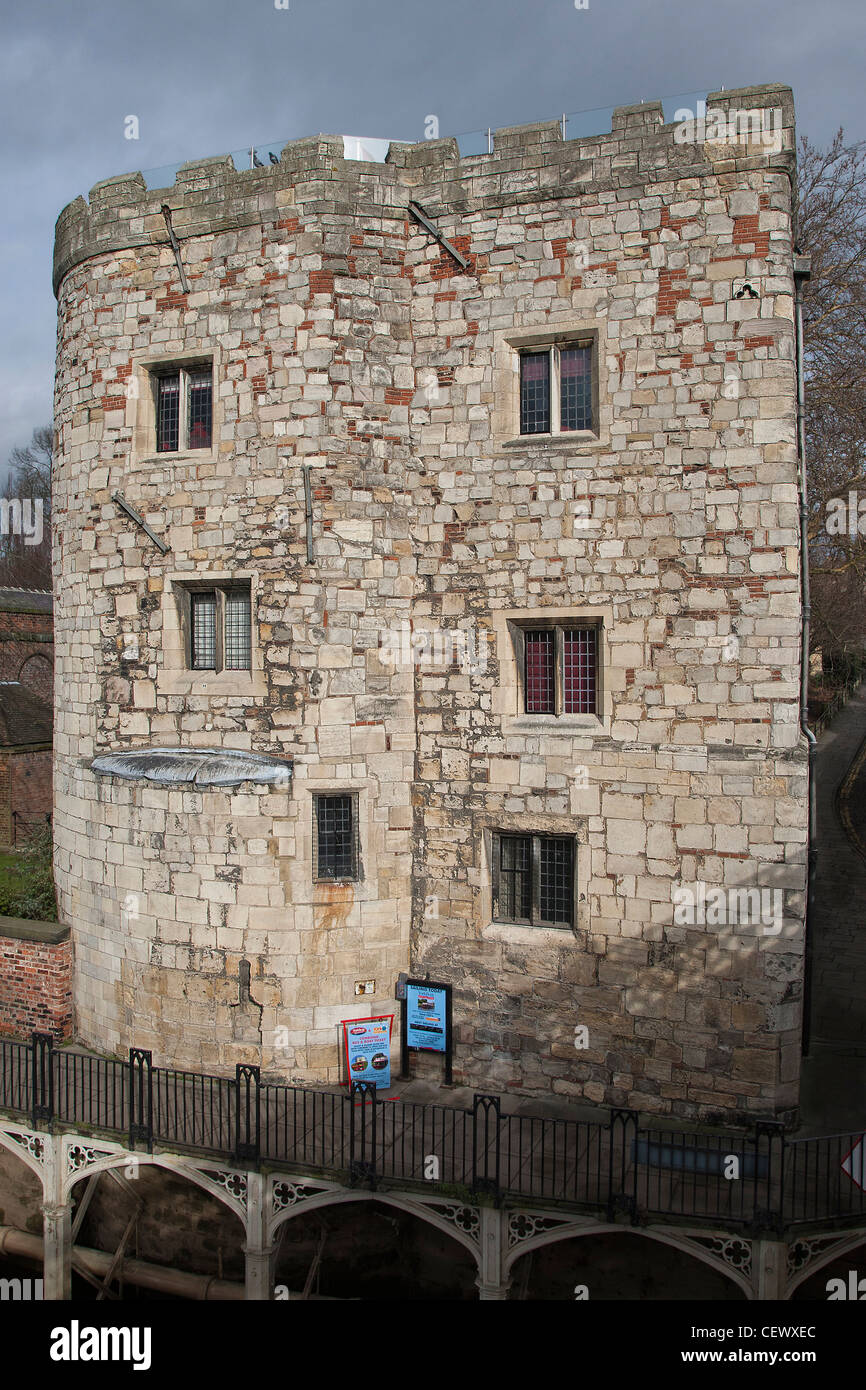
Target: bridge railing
(16,1075)
(825,1180)
(91,1091)
(758,1180)
(313,1127)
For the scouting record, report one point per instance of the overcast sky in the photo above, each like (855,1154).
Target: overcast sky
(205,77)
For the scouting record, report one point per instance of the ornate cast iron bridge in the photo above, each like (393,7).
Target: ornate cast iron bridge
(764,1210)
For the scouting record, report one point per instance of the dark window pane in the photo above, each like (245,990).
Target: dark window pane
(556,889)
(539,674)
(534,393)
(200,408)
(203,613)
(334,837)
(575,371)
(167,413)
(237,639)
(515,878)
(579,671)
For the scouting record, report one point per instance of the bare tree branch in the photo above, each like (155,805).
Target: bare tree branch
(23,563)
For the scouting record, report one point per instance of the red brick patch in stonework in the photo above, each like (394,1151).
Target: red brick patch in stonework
(673,224)
(746,230)
(670,293)
(446,266)
(35,988)
(175,299)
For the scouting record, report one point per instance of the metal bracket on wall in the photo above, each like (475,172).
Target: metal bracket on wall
(140,521)
(420,216)
(308,511)
(175,246)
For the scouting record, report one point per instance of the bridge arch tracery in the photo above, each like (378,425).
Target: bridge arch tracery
(26,1144)
(730,1256)
(227,1185)
(291,1196)
(810,1254)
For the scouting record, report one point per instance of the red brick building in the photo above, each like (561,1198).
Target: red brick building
(27,640)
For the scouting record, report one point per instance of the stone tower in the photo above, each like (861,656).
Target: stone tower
(433,526)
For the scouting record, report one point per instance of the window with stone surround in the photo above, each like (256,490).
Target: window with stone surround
(216,620)
(558,667)
(550,385)
(556,389)
(534,879)
(211,645)
(336,846)
(184,407)
(173,406)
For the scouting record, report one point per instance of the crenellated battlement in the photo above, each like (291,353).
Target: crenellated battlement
(526,162)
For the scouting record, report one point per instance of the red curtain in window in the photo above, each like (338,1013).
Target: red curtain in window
(534,366)
(579,671)
(574,362)
(540,673)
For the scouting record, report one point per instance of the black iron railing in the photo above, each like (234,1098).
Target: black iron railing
(837,702)
(619,1166)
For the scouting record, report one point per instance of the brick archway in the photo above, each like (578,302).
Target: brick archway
(36,673)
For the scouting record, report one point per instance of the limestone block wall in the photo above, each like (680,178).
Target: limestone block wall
(168,889)
(346,340)
(677,528)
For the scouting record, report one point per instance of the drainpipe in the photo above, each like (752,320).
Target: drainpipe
(308,511)
(802,272)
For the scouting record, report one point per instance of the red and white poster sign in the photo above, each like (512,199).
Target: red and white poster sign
(368,1049)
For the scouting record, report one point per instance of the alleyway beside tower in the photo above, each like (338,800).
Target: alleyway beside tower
(834,1074)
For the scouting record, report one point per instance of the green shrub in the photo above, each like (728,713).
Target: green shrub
(27,880)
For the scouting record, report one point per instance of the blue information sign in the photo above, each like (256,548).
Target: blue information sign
(426,1017)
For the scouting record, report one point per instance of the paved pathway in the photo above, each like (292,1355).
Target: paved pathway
(834,1074)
